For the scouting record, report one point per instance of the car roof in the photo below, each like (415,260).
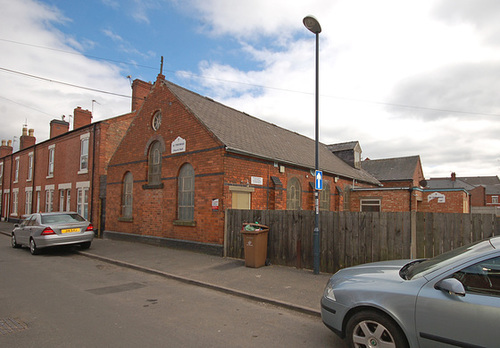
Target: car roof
(495,242)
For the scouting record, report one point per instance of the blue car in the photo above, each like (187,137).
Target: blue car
(449,300)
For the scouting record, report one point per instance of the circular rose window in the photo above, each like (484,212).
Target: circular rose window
(156,120)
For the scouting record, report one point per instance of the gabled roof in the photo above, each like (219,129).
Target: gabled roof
(481,180)
(392,169)
(245,134)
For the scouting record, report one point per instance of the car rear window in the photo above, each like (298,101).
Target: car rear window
(61,218)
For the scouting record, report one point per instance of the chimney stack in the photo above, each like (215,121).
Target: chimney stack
(26,139)
(6,148)
(81,118)
(453,176)
(140,90)
(58,127)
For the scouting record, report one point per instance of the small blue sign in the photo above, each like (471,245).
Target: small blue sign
(318,180)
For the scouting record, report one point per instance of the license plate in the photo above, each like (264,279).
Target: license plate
(69,230)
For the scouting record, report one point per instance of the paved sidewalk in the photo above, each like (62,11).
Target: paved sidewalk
(288,287)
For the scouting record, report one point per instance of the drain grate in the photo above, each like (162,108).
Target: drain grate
(10,325)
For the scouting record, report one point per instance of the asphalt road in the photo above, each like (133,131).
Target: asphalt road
(62,299)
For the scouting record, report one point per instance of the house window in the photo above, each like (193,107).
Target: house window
(127,198)
(370,205)
(84,153)
(1,173)
(14,201)
(30,166)
(324,197)
(186,193)
(494,199)
(49,200)
(64,197)
(83,202)
(293,194)
(154,164)
(28,201)
(38,200)
(68,200)
(51,161)
(16,170)
(241,197)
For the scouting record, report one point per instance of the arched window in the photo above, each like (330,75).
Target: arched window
(324,197)
(127,195)
(154,164)
(293,195)
(186,193)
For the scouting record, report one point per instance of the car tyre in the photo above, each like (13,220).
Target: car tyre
(14,242)
(371,329)
(85,245)
(33,249)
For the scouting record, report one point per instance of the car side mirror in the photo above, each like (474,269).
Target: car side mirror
(16,225)
(452,286)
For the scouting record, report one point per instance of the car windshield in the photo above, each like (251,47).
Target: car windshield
(420,268)
(61,218)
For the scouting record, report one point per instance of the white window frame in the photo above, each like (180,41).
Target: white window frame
(30,166)
(82,198)
(28,202)
(52,158)
(38,198)
(494,199)
(16,169)
(370,202)
(84,153)
(15,201)
(1,172)
(49,198)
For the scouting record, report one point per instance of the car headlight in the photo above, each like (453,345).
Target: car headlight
(329,293)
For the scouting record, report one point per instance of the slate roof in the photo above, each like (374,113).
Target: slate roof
(245,134)
(481,180)
(350,145)
(447,183)
(392,169)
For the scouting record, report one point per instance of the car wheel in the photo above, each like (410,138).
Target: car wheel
(372,329)
(33,249)
(14,242)
(85,245)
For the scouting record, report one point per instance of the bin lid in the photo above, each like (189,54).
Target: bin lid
(254,227)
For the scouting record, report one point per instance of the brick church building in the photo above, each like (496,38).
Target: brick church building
(186,158)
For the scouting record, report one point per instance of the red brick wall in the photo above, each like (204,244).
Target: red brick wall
(454,202)
(155,210)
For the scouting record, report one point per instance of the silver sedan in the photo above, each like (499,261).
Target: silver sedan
(450,300)
(44,230)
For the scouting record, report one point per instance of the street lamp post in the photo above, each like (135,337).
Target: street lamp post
(313,26)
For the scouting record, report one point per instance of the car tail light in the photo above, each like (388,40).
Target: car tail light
(90,228)
(47,231)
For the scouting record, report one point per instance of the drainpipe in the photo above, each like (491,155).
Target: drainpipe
(92,177)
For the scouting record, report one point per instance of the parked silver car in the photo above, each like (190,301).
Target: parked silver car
(450,300)
(51,229)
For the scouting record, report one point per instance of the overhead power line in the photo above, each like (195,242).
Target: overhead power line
(416,107)
(65,83)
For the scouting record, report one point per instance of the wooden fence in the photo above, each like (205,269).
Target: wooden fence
(348,238)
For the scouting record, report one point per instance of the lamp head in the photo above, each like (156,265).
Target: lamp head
(312,24)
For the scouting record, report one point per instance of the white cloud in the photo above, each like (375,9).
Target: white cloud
(22,98)
(373,54)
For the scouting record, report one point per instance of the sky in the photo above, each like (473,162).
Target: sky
(402,77)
